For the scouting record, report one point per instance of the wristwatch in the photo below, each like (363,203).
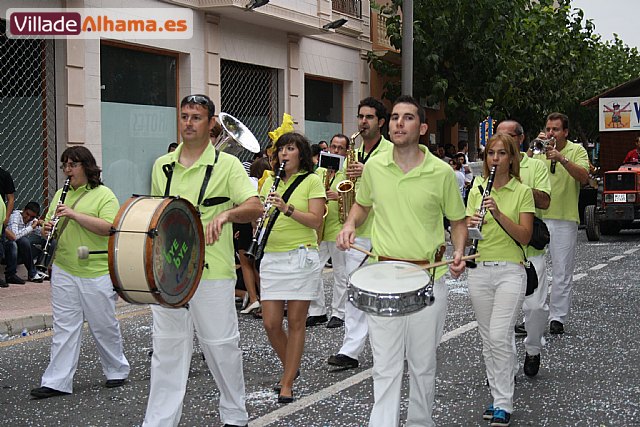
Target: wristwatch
(290,210)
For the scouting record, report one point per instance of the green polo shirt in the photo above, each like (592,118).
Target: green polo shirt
(565,189)
(3,211)
(99,202)
(228,179)
(512,199)
(409,208)
(385,146)
(287,233)
(534,173)
(332,224)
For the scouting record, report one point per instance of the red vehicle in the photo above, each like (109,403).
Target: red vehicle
(618,203)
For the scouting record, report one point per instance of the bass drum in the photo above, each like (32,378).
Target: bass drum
(156,255)
(390,288)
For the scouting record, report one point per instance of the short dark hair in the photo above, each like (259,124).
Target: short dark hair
(200,99)
(173,145)
(407,99)
(33,207)
(381,110)
(343,136)
(315,150)
(559,116)
(83,155)
(258,167)
(303,145)
(462,144)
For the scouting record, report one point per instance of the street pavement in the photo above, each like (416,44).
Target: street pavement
(589,375)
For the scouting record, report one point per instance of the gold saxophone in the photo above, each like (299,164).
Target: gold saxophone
(347,189)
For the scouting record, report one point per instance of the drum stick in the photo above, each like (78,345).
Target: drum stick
(84,252)
(363,250)
(443,262)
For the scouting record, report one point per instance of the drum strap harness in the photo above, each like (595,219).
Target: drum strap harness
(276,213)
(212,201)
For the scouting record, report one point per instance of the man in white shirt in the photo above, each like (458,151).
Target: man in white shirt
(22,233)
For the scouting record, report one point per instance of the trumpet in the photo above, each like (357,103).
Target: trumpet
(482,211)
(257,241)
(540,146)
(46,256)
(347,189)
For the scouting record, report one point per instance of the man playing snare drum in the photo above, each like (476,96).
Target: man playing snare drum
(409,190)
(211,311)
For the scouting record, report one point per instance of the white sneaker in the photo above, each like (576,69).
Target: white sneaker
(38,278)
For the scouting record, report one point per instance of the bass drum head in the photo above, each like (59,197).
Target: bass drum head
(176,253)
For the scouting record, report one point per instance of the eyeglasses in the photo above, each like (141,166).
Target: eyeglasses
(70,165)
(198,99)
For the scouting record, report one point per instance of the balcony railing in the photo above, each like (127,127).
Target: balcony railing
(349,7)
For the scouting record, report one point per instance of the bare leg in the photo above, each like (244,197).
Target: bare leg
(296,317)
(249,276)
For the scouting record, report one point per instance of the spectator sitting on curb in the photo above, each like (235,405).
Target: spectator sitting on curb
(22,233)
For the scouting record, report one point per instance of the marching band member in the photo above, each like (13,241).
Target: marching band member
(497,286)
(372,116)
(211,312)
(327,247)
(82,289)
(290,266)
(410,191)
(534,173)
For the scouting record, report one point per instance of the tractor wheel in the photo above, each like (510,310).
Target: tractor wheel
(591,223)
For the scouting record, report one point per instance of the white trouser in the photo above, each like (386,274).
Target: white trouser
(496,295)
(536,310)
(355,321)
(212,313)
(562,250)
(328,250)
(75,299)
(416,337)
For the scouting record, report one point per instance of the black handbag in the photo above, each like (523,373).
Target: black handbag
(532,276)
(540,236)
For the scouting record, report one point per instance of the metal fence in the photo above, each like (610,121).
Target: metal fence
(27,116)
(250,94)
(350,7)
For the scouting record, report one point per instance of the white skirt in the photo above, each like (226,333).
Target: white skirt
(293,275)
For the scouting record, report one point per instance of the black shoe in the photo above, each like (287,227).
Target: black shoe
(556,328)
(115,383)
(285,399)
(3,284)
(343,361)
(531,365)
(520,330)
(278,386)
(335,322)
(14,280)
(316,320)
(234,425)
(45,392)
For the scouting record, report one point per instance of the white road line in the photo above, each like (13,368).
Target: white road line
(598,267)
(630,251)
(579,276)
(616,258)
(338,387)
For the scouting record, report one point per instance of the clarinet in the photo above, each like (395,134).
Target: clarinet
(257,241)
(42,265)
(482,211)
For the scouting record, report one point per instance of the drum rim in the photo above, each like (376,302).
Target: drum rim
(149,251)
(408,264)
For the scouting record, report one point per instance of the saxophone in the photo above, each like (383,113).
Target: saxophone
(347,189)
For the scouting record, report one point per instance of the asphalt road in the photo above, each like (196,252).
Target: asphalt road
(589,375)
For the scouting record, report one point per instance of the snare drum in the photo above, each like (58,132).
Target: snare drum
(156,254)
(390,288)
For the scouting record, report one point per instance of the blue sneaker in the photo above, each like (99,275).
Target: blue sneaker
(501,418)
(488,413)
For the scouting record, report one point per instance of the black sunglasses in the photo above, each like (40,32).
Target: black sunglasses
(198,99)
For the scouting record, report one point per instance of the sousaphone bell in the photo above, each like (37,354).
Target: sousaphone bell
(235,136)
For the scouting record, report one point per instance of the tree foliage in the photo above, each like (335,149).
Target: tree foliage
(509,59)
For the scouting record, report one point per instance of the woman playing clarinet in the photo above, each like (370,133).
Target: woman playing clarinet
(497,286)
(290,266)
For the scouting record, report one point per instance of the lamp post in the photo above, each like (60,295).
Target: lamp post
(407,47)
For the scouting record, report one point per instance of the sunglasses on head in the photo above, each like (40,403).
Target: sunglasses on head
(198,99)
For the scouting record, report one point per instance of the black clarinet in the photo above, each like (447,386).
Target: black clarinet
(45,257)
(257,242)
(482,211)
